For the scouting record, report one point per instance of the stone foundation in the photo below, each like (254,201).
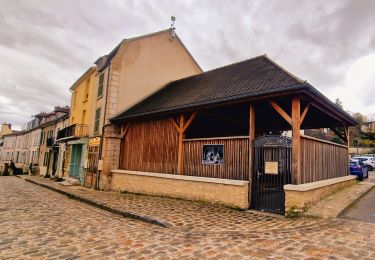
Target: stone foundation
(300,197)
(232,193)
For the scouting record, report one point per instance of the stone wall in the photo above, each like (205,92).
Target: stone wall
(232,193)
(110,155)
(300,197)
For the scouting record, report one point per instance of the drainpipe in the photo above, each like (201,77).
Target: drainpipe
(103,126)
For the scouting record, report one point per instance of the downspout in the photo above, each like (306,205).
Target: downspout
(103,126)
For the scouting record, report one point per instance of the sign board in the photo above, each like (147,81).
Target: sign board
(271,167)
(95,141)
(213,154)
(100,165)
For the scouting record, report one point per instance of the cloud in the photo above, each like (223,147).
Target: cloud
(46,45)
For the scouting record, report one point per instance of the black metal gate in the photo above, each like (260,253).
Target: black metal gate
(272,163)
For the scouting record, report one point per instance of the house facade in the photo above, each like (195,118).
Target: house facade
(368,127)
(73,139)
(136,68)
(61,165)
(8,150)
(48,147)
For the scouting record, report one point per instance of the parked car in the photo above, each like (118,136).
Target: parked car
(358,168)
(369,161)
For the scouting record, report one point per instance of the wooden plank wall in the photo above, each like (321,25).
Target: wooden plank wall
(236,159)
(321,160)
(150,146)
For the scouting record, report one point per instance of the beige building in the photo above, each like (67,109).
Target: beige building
(61,168)
(35,135)
(8,150)
(48,150)
(136,68)
(368,127)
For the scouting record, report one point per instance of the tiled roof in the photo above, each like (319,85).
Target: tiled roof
(243,79)
(255,77)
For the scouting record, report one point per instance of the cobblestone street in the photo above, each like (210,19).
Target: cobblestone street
(37,223)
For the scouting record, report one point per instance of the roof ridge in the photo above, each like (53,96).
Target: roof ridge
(222,67)
(145,35)
(277,65)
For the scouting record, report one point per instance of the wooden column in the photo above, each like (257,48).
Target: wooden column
(180,145)
(346,134)
(251,144)
(296,144)
(181,129)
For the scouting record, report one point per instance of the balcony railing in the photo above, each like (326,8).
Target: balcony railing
(73,131)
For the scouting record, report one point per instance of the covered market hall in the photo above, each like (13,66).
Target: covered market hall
(232,135)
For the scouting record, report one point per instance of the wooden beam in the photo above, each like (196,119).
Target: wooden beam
(281,112)
(175,124)
(251,144)
(189,122)
(304,113)
(124,129)
(318,106)
(180,146)
(296,144)
(338,133)
(346,132)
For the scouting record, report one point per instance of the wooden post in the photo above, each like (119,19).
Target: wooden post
(251,144)
(347,137)
(181,129)
(296,145)
(180,144)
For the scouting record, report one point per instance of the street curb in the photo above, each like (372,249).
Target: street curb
(353,202)
(125,214)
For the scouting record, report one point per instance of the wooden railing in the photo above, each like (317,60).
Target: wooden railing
(321,160)
(236,158)
(73,131)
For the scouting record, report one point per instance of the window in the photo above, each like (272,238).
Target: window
(83,117)
(46,159)
(97,120)
(86,96)
(74,99)
(100,86)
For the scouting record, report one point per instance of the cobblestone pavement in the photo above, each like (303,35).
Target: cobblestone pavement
(36,223)
(184,215)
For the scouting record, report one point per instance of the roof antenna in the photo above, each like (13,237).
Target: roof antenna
(173,34)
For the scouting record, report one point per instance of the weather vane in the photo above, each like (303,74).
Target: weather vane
(173,34)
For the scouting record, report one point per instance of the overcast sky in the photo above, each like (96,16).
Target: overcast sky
(46,45)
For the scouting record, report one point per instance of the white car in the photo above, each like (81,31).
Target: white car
(367,160)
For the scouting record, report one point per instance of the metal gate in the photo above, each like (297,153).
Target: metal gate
(272,165)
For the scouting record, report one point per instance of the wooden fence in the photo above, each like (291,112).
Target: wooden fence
(321,160)
(236,158)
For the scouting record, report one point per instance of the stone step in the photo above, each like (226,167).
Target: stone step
(71,181)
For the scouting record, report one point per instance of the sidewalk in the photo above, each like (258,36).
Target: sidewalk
(332,206)
(178,214)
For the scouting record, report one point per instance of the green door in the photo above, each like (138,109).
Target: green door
(75,162)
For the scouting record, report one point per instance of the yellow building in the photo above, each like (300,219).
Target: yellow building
(75,136)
